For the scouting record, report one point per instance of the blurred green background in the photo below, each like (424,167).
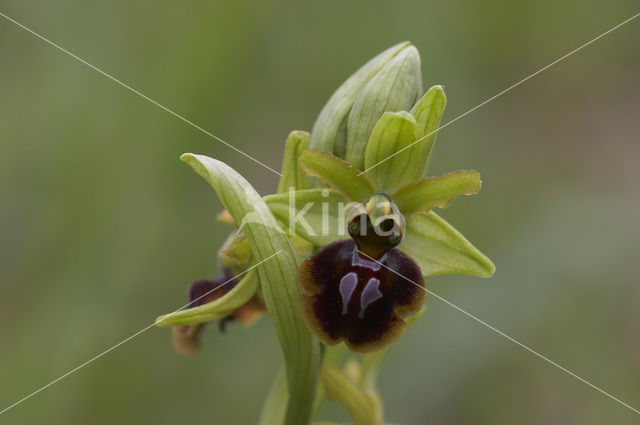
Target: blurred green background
(102,228)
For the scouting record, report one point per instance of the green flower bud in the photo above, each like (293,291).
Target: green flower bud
(330,129)
(395,88)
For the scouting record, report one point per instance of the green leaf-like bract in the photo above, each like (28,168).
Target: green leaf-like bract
(278,279)
(392,133)
(423,195)
(337,174)
(438,248)
(218,309)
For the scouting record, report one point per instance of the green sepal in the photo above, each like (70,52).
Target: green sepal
(365,409)
(215,310)
(423,195)
(438,248)
(394,88)
(277,272)
(330,131)
(428,112)
(337,174)
(316,215)
(392,133)
(292,175)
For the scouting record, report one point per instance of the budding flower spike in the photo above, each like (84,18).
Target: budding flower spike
(340,252)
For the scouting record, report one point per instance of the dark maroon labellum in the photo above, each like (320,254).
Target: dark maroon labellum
(347,296)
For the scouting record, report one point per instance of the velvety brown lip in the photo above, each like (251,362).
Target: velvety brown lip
(348,297)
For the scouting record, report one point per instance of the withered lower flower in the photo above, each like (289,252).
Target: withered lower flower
(350,292)
(186,339)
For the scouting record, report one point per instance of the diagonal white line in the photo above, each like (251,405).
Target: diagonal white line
(505,90)
(91,360)
(114,79)
(505,335)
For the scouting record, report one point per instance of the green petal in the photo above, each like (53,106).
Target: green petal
(438,248)
(278,279)
(394,88)
(423,195)
(337,174)
(316,215)
(428,112)
(329,130)
(364,409)
(393,132)
(218,309)
(292,175)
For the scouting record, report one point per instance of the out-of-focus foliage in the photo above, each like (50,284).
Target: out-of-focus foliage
(101,226)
